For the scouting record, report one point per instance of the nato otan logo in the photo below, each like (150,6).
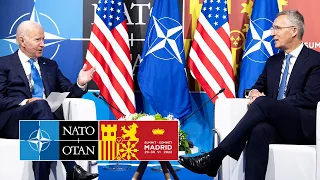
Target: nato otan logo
(58,140)
(39,140)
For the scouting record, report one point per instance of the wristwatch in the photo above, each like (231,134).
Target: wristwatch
(247,93)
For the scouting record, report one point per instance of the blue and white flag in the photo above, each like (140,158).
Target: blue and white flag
(162,75)
(259,43)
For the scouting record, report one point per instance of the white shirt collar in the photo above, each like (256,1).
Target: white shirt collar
(23,57)
(295,53)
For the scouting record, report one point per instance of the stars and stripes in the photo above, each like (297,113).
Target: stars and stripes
(109,52)
(210,59)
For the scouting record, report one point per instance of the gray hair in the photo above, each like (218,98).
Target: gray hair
(25,28)
(296,18)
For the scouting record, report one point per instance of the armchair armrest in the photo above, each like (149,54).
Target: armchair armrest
(79,109)
(228,112)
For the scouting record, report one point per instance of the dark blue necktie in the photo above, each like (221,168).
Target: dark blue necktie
(37,90)
(284,78)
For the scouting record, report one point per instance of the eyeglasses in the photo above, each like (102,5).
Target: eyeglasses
(278,28)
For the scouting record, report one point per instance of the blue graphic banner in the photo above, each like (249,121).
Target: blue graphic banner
(58,140)
(39,140)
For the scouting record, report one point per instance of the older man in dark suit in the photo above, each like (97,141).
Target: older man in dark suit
(282,104)
(26,79)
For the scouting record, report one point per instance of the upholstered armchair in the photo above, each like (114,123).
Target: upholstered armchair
(12,168)
(292,162)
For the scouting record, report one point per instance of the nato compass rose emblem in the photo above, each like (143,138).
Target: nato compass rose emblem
(50,38)
(163,43)
(39,140)
(261,46)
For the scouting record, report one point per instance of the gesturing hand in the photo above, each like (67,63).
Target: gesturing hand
(85,75)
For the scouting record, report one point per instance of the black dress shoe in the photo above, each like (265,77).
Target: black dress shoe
(212,173)
(80,174)
(198,164)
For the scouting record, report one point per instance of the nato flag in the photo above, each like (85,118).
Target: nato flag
(259,44)
(162,76)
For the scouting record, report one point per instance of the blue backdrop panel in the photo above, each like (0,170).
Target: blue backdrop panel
(62,22)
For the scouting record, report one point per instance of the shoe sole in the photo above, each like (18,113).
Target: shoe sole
(91,177)
(191,169)
(211,175)
(88,178)
(195,171)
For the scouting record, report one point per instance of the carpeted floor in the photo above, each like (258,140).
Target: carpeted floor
(149,174)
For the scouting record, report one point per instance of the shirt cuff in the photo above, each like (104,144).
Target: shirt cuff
(84,87)
(24,102)
(249,94)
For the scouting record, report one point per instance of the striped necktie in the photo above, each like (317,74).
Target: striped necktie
(283,82)
(37,90)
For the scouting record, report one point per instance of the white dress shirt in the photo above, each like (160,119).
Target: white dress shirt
(27,69)
(294,55)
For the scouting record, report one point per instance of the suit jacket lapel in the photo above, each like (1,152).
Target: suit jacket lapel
(302,58)
(44,69)
(277,69)
(18,66)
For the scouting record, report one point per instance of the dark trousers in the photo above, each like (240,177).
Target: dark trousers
(41,169)
(267,121)
(39,110)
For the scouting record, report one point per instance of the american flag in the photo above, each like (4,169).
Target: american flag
(109,52)
(210,59)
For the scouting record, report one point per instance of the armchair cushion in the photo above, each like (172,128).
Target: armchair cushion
(12,168)
(227,114)
(285,161)
(294,162)
(79,109)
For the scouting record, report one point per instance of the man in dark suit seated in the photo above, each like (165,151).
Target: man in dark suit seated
(282,103)
(26,79)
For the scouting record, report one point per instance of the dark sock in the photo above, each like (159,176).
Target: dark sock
(68,165)
(216,157)
(217,154)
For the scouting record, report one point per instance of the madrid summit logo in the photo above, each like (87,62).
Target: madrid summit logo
(58,140)
(138,140)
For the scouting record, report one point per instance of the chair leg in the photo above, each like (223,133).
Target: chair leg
(140,170)
(165,170)
(172,171)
